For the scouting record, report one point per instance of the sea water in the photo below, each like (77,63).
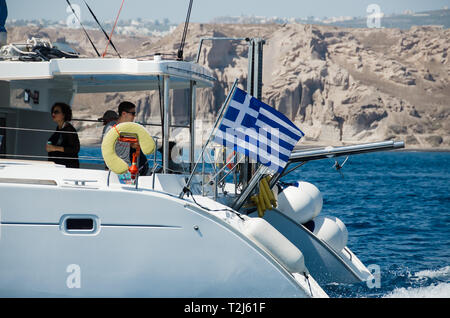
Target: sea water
(396,206)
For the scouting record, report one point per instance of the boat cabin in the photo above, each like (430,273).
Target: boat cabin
(29,89)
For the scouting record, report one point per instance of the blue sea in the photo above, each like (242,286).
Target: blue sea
(396,206)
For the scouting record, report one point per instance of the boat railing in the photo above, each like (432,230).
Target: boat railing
(95,160)
(300,157)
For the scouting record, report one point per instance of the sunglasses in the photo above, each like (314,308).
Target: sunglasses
(132,113)
(56,112)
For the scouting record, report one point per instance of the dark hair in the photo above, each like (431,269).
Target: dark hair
(65,109)
(125,107)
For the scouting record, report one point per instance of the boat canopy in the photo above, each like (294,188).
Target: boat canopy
(60,79)
(105,75)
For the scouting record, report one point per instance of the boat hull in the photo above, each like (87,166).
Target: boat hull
(142,244)
(324,263)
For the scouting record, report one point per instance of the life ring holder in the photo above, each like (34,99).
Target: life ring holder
(112,160)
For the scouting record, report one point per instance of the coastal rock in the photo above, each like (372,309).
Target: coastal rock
(339,85)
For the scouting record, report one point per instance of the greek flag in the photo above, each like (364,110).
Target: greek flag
(258,131)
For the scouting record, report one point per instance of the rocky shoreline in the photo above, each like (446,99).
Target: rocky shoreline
(339,85)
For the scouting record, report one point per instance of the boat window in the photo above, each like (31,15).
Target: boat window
(80,224)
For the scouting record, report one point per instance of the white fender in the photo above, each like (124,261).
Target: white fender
(300,203)
(112,160)
(273,242)
(331,230)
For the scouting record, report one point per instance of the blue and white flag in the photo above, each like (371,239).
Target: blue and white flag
(258,131)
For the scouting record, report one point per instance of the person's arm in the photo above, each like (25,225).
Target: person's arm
(53,139)
(51,148)
(70,141)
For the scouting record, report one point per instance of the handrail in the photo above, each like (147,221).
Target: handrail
(332,152)
(219,117)
(315,154)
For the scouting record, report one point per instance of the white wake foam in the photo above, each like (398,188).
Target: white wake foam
(443,273)
(436,290)
(441,290)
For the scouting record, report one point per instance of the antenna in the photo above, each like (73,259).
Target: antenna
(104,32)
(183,39)
(85,32)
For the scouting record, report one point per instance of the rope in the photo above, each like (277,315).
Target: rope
(112,31)
(104,32)
(188,191)
(157,165)
(117,130)
(39,130)
(12,46)
(47,157)
(85,32)
(84,135)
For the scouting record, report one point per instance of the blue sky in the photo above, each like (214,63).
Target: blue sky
(205,10)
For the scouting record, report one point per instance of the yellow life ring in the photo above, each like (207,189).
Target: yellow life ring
(112,160)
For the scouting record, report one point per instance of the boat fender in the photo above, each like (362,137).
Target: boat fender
(112,160)
(301,202)
(331,230)
(273,242)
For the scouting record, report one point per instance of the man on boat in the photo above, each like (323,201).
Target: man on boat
(3,16)
(127,113)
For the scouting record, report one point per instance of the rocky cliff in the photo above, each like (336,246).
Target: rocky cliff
(339,85)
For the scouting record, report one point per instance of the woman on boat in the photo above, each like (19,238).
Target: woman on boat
(63,146)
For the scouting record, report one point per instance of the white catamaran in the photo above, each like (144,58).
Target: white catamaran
(86,233)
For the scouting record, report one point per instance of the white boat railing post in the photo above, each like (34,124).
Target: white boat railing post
(154,163)
(254,88)
(219,118)
(193,104)
(166,128)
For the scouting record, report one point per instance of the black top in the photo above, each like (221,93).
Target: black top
(71,145)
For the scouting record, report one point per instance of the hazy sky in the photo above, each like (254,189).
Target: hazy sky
(205,10)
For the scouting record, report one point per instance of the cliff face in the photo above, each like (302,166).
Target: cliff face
(338,85)
(346,85)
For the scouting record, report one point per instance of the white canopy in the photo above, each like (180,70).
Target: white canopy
(99,75)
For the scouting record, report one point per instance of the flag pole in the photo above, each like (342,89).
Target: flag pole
(221,112)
